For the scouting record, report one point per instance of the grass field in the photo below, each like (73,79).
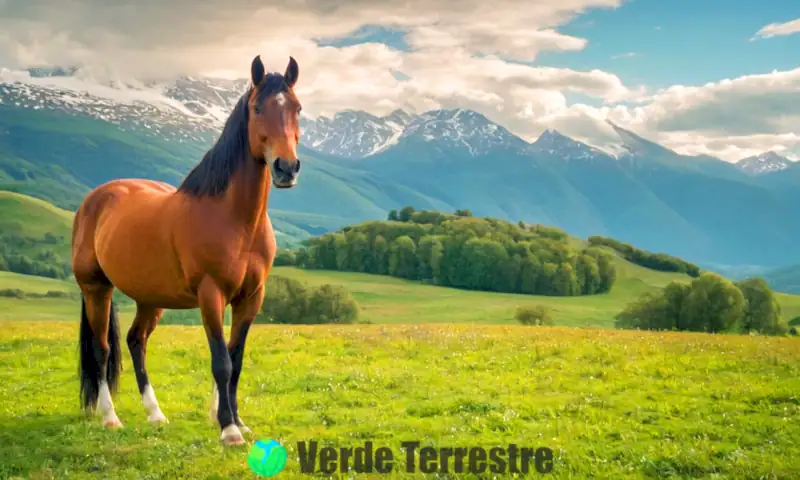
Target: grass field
(610,404)
(391,300)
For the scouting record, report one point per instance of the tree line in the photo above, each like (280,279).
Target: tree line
(462,251)
(654,261)
(45,263)
(710,303)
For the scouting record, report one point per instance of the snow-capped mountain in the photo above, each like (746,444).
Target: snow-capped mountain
(554,144)
(185,110)
(461,130)
(194,109)
(353,134)
(763,163)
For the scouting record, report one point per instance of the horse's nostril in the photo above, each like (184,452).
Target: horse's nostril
(297,165)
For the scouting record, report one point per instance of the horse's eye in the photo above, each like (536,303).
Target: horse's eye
(258,109)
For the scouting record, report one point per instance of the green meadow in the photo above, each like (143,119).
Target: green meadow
(442,366)
(610,404)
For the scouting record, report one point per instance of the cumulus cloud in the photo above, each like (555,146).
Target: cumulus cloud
(778,29)
(468,54)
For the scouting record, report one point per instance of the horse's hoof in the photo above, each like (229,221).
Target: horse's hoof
(157,418)
(112,423)
(232,436)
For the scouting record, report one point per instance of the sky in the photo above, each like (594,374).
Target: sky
(698,76)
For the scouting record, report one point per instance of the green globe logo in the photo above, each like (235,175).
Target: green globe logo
(266,458)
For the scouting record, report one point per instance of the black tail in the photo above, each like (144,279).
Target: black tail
(91,358)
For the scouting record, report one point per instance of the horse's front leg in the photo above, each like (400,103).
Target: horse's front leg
(212,307)
(244,312)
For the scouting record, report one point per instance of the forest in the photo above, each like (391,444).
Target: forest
(462,251)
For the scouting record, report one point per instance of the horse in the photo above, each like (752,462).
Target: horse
(206,244)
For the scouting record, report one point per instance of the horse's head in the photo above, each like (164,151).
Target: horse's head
(274,122)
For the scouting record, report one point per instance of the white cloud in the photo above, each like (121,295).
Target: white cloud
(469,56)
(730,119)
(778,29)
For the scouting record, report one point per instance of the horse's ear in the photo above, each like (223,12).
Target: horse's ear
(292,72)
(257,71)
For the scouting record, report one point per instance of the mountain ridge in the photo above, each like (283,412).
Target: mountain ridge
(700,208)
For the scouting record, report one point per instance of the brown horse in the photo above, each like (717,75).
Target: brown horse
(209,243)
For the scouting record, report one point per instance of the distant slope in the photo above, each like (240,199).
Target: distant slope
(31,227)
(59,157)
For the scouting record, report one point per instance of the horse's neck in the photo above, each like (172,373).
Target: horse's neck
(248,194)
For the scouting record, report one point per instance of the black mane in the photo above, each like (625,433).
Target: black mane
(211,176)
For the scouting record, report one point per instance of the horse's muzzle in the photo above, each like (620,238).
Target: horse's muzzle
(285,172)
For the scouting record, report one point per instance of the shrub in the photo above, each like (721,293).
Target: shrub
(289,301)
(710,303)
(285,258)
(12,293)
(332,304)
(537,315)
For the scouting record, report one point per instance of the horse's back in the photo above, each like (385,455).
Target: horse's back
(111,199)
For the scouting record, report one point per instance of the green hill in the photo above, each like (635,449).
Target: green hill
(35,236)
(31,217)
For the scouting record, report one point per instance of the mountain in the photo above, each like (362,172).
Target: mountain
(352,134)
(784,279)
(763,163)
(63,132)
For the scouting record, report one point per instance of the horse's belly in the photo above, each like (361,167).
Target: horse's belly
(139,260)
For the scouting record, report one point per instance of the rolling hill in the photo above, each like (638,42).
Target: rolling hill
(34,218)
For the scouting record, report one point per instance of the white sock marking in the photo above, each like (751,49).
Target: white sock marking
(214,404)
(150,403)
(107,405)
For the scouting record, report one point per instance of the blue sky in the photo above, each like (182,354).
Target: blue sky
(682,41)
(659,43)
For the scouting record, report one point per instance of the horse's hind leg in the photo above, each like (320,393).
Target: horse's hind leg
(100,359)
(143,325)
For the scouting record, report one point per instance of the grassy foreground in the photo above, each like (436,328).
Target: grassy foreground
(611,404)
